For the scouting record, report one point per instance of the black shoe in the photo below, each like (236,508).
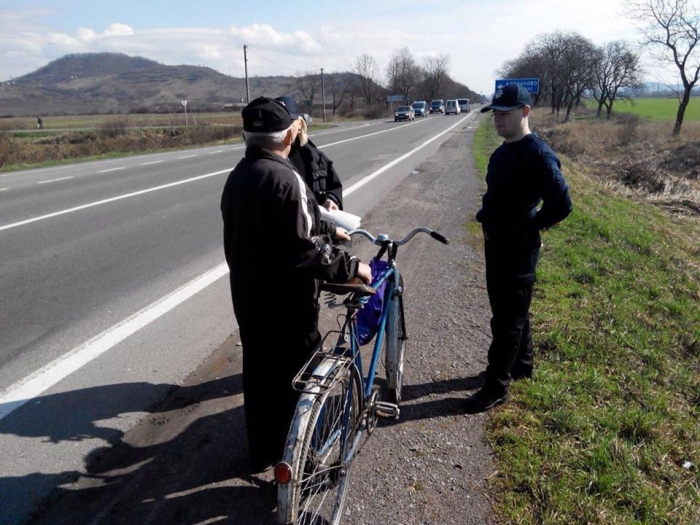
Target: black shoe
(521,373)
(483,400)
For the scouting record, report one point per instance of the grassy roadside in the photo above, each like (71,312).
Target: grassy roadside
(608,432)
(31,150)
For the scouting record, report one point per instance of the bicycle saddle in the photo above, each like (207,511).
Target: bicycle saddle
(354,285)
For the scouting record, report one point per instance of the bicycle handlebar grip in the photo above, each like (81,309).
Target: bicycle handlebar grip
(438,237)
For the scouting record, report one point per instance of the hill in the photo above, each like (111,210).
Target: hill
(117,83)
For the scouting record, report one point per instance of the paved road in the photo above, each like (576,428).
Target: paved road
(114,289)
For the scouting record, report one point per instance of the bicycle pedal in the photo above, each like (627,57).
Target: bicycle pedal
(387,410)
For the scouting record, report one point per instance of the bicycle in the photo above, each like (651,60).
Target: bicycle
(339,404)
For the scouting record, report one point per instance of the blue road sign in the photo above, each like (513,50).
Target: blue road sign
(531,84)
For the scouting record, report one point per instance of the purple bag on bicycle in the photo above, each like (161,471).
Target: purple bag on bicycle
(369,318)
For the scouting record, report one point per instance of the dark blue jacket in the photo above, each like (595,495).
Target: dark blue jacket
(521,175)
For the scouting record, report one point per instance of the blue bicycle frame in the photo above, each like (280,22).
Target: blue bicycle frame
(390,277)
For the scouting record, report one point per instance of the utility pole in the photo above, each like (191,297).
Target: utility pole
(245,61)
(323,95)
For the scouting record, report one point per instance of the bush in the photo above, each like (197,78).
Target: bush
(375,111)
(629,128)
(114,128)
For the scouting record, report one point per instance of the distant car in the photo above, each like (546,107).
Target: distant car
(404,113)
(451,106)
(464,104)
(420,108)
(437,106)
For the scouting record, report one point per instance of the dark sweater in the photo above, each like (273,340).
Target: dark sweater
(520,176)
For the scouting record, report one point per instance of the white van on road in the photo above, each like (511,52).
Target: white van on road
(464,104)
(451,106)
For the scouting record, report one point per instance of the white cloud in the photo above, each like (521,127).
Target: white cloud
(118,30)
(478,36)
(266,37)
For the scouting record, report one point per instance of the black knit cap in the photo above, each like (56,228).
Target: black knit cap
(264,115)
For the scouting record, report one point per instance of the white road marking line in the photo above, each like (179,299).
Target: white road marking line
(4,189)
(31,386)
(154,162)
(187,156)
(217,151)
(394,162)
(53,180)
(112,169)
(112,199)
(370,134)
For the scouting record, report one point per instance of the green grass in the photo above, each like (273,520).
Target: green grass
(658,108)
(603,433)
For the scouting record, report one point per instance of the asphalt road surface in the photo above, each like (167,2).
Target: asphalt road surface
(114,290)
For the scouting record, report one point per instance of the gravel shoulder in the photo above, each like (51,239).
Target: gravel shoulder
(186,461)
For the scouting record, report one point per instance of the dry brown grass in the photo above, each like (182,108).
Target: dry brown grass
(635,157)
(111,138)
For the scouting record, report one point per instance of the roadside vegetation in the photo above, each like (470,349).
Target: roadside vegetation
(608,432)
(103,136)
(92,137)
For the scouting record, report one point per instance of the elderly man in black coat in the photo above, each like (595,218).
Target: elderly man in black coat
(277,248)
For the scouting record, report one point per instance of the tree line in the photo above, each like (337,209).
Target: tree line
(570,66)
(365,86)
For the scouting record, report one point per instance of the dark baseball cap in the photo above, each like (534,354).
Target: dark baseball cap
(509,97)
(264,115)
(291,105)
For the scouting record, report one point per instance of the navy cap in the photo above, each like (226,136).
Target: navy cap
(264,115)
(291,105)
(509,97)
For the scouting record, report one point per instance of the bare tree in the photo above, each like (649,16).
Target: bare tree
(436,70)
(367,72)
(403,73)
(340,88)
(564,62)
(530,64)
(617,69)
(308,84)
(580,60)
(673,29)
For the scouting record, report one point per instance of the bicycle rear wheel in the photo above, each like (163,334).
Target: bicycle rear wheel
(395,337)
(322,461)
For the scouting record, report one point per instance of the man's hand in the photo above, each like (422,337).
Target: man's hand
(330,205)
(341,234)
(364,272)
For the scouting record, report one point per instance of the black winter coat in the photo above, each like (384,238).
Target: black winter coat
(275,242)
(318,173)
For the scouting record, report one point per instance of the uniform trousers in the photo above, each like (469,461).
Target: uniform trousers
(510,281)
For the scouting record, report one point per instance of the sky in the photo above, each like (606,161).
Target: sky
(292,38)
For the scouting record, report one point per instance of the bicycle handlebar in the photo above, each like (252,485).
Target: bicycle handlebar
(382,238)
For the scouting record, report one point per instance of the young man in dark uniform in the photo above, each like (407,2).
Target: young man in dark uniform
(277,248)
(522,173)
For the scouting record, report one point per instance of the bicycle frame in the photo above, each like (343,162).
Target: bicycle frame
(342,366)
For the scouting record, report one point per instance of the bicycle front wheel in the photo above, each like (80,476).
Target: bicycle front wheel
(323,455)
(395,337)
